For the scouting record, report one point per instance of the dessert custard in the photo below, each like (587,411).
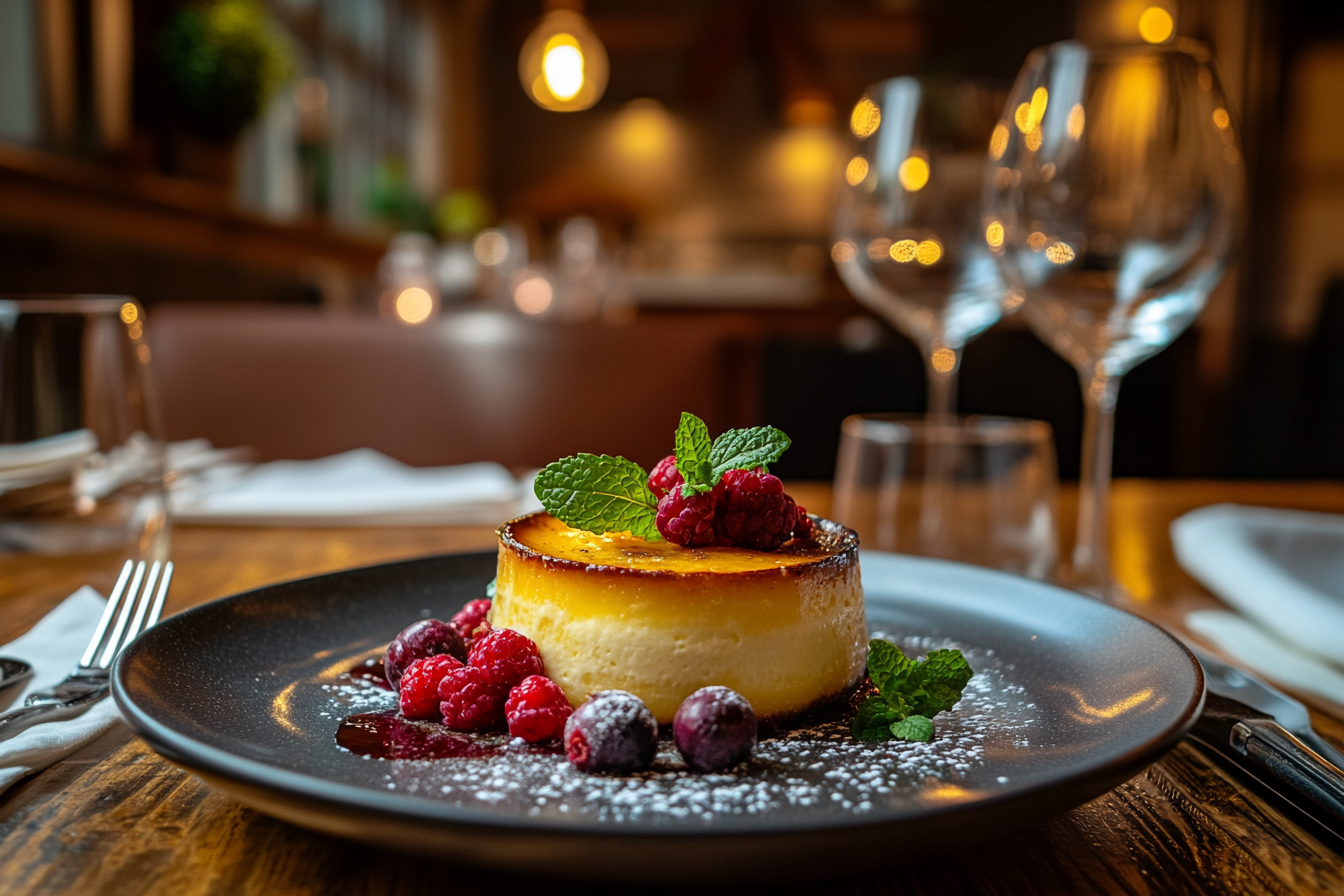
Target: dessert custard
(785,629)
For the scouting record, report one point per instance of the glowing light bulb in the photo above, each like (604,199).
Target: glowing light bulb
(563,66)
(1156,25)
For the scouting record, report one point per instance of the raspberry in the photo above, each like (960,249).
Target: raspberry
(505,658)
(420,685)
(753,511)
(470,616)
(804,527)
(665,477)
(687,521)
(470,702)
(537,709)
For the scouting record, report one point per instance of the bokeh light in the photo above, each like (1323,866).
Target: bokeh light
(1156,25)
(533,295)
(865,118)
(414,305)
(913,173)
(856,171)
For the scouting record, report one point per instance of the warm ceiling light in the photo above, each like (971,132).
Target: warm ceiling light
(563,66)
(1156,25)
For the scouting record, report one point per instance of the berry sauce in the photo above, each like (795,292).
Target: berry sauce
(386,735)
(371,671)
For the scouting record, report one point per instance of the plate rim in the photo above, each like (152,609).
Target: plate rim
(216,763)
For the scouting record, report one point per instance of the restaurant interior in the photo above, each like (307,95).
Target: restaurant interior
(290,287)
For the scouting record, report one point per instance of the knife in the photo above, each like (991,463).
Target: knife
(1268,734)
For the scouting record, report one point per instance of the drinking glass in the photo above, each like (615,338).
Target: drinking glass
(81,462)
(907,226)
(1112,194)
(991,502)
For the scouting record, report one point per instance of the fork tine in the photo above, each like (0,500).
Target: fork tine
(127,603)
(141,608)
(159,598)
(113,600)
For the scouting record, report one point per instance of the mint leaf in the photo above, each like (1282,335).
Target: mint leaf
(910,691)
(916,728)
(943,675)
(490,589)
(693,449)
(889,669)
(599,493)
(746,449)
(874,720)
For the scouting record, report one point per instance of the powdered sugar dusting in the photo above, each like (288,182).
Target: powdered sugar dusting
(820,768)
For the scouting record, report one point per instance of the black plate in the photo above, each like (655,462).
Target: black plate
(1072,698)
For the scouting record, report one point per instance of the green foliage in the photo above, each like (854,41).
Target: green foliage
(223,61)
(599,493)
(910,693)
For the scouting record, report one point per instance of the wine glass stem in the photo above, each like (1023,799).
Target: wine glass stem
(943,365)
(1091,563)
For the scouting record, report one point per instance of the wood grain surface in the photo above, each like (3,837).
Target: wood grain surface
(115,818)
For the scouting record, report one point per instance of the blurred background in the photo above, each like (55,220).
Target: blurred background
(407,225)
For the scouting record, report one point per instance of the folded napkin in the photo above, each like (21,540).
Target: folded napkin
(1244,641)
(358,488)
(1282,571)
(53,647)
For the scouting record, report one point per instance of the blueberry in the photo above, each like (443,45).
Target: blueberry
(714,728)
(612,732)
(428,637)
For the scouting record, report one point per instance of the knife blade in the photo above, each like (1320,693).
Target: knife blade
(1236,684)
(1254,741)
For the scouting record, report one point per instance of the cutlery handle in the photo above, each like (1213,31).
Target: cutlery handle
(22,717)
(1293,764)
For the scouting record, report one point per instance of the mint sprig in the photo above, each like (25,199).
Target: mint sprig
(746,449)
(693,451)
(599,493)
(909,693)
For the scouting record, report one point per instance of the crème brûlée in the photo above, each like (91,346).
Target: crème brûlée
(785,629)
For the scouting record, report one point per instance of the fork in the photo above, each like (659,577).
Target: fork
(130,610)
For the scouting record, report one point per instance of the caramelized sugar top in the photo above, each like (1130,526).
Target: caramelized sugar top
(549,537)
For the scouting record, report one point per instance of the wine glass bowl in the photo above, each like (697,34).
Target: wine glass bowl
(907,235)
(1112,196)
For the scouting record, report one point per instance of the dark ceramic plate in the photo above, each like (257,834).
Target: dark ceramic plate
(1071,698)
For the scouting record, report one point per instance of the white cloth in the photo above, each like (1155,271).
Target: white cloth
(358,488)
(53,647)
(1282,569)
(1244,641)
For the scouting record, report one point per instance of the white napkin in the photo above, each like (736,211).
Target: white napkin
(358,488)
(53,647)
(1246,642)
(1283,569)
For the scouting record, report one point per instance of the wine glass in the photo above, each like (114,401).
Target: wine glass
(1112,195)
(907,229)
(81,462)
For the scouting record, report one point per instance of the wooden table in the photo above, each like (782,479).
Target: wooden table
(115,818)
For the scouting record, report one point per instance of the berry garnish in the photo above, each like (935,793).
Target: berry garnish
(753,511)
(428,637)
(470,616)
(470,702)
(612,732)
(665,477)
(505,658)
(537,709)
(599,493)
(714,728)
(803,528)
(687,521)
(419,695)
